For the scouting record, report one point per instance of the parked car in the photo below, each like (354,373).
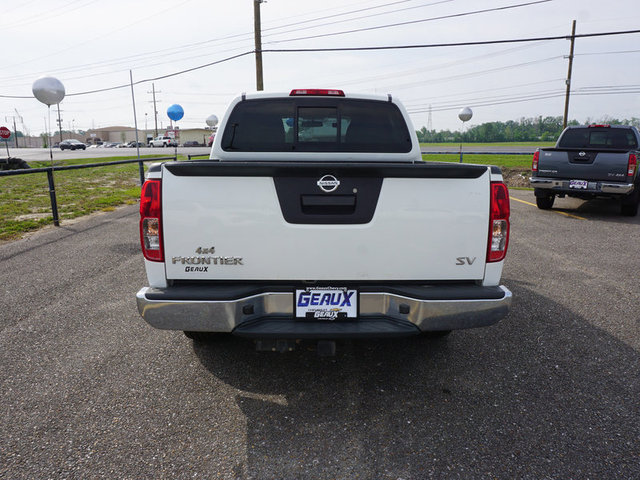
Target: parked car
(163,141)
(133,144)
(72,144)
(191,143)
(211,138)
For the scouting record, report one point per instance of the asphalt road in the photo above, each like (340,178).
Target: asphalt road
(42,154)
(32,154)
(553,391)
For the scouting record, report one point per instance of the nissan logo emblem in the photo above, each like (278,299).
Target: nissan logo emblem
(582,154)
(328,183)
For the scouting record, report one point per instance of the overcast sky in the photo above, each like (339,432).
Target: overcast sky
(91,44)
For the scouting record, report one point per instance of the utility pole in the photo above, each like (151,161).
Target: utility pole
(15,132)
(59,123)
(15,129)
(258,38)
(155,109)
(566,100)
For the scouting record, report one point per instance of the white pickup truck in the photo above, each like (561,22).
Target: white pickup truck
(163,141)
(315,217)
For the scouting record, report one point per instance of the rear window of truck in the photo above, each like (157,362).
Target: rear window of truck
(316,125)
(598,138)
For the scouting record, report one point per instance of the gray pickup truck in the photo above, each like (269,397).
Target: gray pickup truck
(588,162)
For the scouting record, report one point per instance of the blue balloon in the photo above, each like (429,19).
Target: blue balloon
(175,112)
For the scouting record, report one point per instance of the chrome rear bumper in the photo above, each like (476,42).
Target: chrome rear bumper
(597,187)
(457,308)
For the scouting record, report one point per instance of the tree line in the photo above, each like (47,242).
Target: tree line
(545,129)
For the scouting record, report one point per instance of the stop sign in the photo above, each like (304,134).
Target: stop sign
(5,132)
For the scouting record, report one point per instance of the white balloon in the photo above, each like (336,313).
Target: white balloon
(465,114)
(48,90)
(212,120)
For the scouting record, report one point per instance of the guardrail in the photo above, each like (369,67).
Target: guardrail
(49,171)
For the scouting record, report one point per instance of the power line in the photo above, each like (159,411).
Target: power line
(431,68)
(423,102)
(605,53)
(452,44)
(518,99)
(449,78)
(49,14)
(411,22)
(146,80)
(349,13)
(179,49)
(342,49)
(352,19)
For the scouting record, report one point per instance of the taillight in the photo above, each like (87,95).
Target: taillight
(534,163)
(151,221)
(498,222)
(316,92)
(632,164)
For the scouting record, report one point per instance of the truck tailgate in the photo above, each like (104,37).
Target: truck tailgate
(276,221)
(583,164)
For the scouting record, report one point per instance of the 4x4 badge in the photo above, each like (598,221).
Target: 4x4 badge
(328,183)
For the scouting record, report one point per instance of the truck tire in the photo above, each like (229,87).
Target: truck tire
(436,334)
(545,202)
(629,204)
(199,336)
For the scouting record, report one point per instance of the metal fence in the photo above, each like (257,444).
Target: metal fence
(140,161)
(49,171)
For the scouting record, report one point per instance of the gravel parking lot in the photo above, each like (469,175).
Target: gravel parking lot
(90,391)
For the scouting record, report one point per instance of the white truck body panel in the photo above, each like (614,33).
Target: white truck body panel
(419,229)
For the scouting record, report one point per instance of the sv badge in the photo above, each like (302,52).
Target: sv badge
(465,260)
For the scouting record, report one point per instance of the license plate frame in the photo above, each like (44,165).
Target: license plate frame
(327,303)
(579,184)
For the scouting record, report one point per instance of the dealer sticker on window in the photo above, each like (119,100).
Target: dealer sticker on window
(326,303)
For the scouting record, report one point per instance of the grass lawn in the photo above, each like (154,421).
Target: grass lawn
(503,160)
(497,144)
(25,203)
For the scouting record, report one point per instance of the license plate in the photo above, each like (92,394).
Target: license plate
(578,184)
(326,303)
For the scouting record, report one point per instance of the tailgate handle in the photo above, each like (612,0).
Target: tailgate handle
(328,204)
